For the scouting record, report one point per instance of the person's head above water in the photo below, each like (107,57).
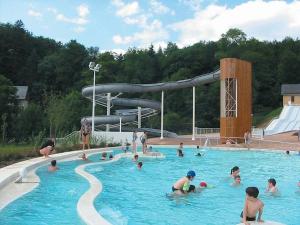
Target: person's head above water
(252,192)
(235,170)
(191,174)
(53,162)
(139,165)
(203,184)
(192,188)
(136,156)
(237,179)
(272,182)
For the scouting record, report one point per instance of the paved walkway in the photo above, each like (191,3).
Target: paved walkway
(286,141)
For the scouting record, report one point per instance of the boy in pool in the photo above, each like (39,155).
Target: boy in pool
(180,150)
(139,165)
(272,186)
(237,181)
(182,186)
(135,158)
(234,171)
(53,166)
(252,206)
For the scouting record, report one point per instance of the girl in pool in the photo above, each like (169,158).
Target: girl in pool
(234,172)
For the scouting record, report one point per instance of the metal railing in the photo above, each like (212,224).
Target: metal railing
(253,142)
(205,131)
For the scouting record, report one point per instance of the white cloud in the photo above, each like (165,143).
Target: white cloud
(127,9)
(80,20)
(262,19)
(153,32)
(140,20)
(53,10)
(34,13)
(83,10)
(193,4)
(159,8)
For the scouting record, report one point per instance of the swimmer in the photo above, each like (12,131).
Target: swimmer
(198,152)
(252,206)
(53,166)
(135,158)
(139,165)
(103,156)
(272,186)
(237,181)
(287,152)
(234,171)
(111,156)
(182,186)
(83,157)
(180,150)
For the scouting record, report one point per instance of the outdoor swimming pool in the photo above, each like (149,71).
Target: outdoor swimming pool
(135,197)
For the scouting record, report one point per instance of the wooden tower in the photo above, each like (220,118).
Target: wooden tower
(235,99)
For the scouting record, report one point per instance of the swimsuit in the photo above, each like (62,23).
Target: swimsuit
(175,189)
(248,218)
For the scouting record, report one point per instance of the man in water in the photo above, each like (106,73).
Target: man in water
(53,166)
(182,186)
(237,181)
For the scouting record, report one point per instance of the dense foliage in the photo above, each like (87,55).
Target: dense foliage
(56,73)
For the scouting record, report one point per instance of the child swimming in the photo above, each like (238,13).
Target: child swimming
(252,206)
(237,181)
(271,188)
(139,165)
(234,171)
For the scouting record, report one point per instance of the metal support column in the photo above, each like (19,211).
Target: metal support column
(194,111)
(120,124)
(139,117)
(108,109)
(162,116)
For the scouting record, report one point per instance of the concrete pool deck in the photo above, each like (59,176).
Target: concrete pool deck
(286,141)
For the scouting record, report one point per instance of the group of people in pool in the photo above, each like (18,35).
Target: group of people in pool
(135,159)
(180,152)
(252,206)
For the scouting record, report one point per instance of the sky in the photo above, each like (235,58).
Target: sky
(116,25)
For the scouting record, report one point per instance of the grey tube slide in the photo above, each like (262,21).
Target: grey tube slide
(141,88)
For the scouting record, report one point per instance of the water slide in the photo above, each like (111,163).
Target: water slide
(289,120)
(148,107)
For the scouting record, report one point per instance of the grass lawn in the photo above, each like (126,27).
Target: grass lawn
(12,153)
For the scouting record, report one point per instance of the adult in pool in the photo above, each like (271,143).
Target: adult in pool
(182,186)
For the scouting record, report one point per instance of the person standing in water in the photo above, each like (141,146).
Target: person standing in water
(134,138)
(85,132)
(143,139)
(182,186)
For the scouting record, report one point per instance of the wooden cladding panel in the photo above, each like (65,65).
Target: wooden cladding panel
(242,71)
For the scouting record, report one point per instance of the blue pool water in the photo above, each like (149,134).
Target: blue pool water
(52,202)
(137,197)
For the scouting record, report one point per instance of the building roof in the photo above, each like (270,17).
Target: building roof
(290,89)
(21,92)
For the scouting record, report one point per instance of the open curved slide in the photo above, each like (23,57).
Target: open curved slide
(148,107)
